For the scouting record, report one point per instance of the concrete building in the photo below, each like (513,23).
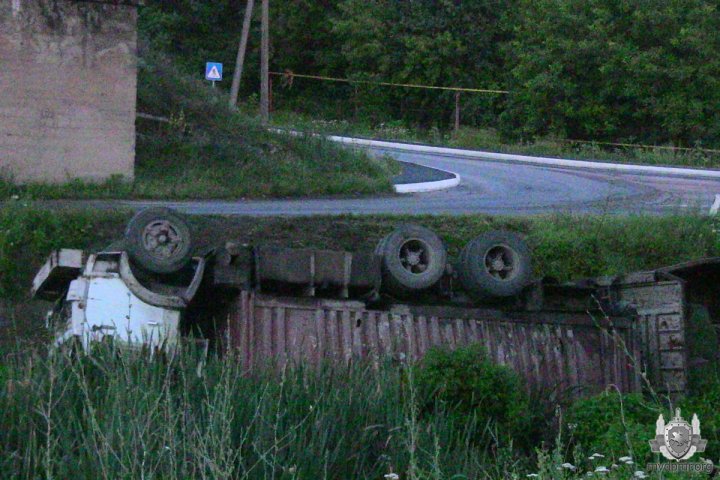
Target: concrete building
(68,75)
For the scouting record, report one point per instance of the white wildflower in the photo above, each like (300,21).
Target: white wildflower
(532,475)
(596,455)
(625,459)
(392,476)
(639,474)
(569,466)
(614,466)
(601,469)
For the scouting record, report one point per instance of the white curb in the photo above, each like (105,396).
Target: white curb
(547,161)
(429,186)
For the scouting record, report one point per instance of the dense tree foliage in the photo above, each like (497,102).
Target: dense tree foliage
(426,42)
(645,70)
(619,70)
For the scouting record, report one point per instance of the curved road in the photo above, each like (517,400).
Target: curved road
(492,187)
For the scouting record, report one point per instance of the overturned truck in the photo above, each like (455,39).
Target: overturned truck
(277,306)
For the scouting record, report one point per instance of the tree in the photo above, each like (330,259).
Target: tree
(634,70)
(430,42)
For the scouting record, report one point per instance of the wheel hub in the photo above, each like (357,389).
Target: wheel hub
(414,256)
(501,262)
(162,239)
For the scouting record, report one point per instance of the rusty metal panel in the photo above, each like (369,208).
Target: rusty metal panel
(559,352)
(660,308)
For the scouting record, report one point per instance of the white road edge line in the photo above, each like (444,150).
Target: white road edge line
(715,206)
(548,161)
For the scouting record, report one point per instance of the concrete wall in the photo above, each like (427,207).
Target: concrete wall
(68,74)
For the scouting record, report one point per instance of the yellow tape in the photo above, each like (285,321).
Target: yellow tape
(389,84)
(480,90)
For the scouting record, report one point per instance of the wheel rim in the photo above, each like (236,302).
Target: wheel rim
(501,262)
(414,256)
(162,239)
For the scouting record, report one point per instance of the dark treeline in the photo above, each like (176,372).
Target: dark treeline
(607,70)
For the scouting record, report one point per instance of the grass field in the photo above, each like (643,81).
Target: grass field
(207,151)
(118,415)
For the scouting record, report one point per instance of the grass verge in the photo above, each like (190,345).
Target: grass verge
(488,139)
(205,150)
(564,247)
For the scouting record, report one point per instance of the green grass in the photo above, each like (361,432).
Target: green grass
(489,139)
(117,415)
(564,247)
(208,151)
(120,415)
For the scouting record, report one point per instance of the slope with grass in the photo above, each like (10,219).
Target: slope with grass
(205,150)
(564,247)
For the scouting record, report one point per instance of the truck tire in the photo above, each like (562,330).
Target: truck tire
(413,259)
(495,264)
(159,240)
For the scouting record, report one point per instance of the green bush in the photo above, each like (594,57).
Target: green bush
(613,425)
(705,402)
(464,383)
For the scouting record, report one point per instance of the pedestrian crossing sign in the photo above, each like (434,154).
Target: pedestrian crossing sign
(213,71)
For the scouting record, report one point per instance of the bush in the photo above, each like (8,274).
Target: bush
(613,425)
(464,383)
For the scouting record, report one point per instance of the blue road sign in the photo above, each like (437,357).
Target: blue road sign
(213,71)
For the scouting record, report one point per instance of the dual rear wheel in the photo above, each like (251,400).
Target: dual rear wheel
(494,264)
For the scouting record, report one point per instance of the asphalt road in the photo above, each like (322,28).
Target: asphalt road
(492,187)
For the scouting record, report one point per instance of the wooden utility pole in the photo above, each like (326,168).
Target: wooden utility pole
(265,63)
(240,60)
(457,111)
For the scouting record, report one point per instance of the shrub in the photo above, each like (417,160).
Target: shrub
(705,402)
(464,383)
(613,425)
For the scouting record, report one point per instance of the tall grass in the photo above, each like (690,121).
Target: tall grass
(116,414)
(120,414)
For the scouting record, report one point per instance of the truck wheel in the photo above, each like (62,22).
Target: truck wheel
(413,259)
(159,240)
(495,264)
